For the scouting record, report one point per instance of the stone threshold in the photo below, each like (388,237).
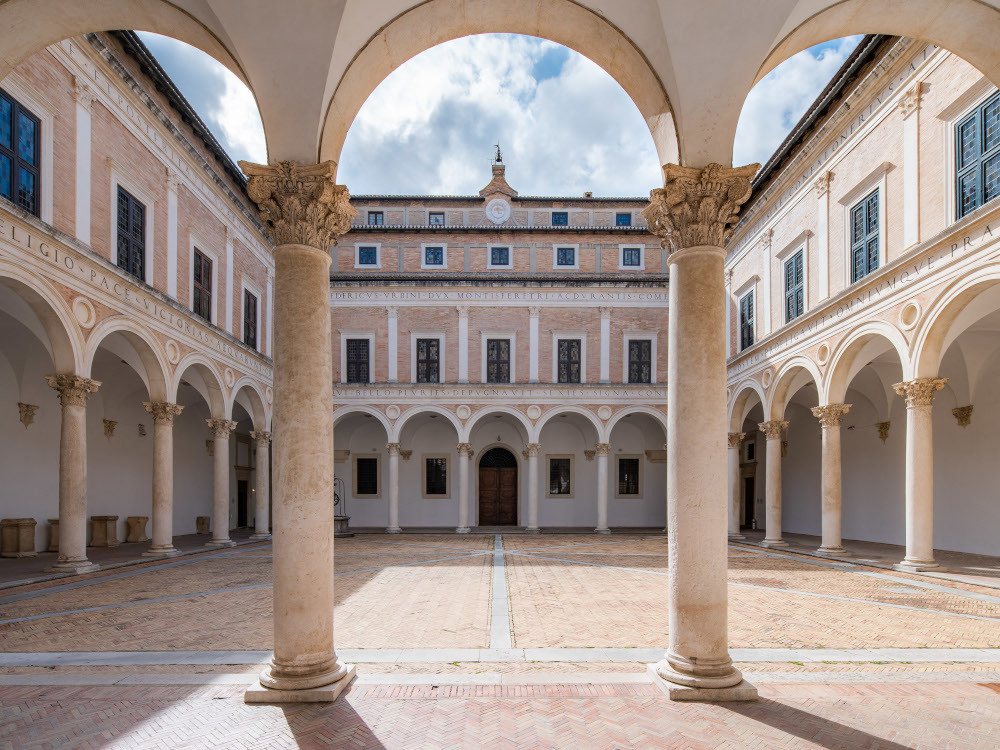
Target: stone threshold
(510,530)
(472,656)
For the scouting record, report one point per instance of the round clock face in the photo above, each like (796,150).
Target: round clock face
(498,210)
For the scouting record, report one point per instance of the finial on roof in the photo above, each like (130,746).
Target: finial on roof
(499,159)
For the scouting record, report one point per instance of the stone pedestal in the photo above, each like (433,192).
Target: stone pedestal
(104,531)
(17,537)
(136,529)
(53,535)
(341,526)
(203,524)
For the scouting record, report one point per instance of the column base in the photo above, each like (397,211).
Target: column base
(736,537)
(462,530)
(534,530)
(216,543)
(320,694)
(832,552)
(773,543)
(73,566)
(918,566)
(393,530)
(260,537)
(741,691)
(170,551)
(602,531)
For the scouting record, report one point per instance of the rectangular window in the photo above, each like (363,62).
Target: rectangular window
(375,218)
(131,235)
(977,157)
(433,256)
(499,257)
(864,237)
(497,360)
(366,476)
(628,476)
(250,319)
(435,475)
(436,218)
(751,451)
(623,219)
(368,255)
(20,138)
(795,300)
(568,364)
(202,299)
(746,321)
(631,257)
(428,360)
(565,256)
(560,469)
(357,361)
(640,361)
(560,218)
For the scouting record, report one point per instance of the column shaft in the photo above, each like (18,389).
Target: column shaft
(532,450)
(464,454)
(163,478)
(393,525)
(830,417)
(772,484)
(735,441)
(261,513)
(220,482)
(603,449)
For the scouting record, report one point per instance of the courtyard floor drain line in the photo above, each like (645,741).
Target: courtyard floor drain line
(500,624)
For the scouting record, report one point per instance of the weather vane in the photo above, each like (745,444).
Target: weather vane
(499,154)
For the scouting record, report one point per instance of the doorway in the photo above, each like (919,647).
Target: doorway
(242,513)
(498,488)
(749,504)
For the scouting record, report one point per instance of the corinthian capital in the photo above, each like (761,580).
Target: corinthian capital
(831,415)
(736,438)
(772,430)
(220,427)
(73,390)
(261,437)
(697,205)
(163,412)
(301,204)
(919,392)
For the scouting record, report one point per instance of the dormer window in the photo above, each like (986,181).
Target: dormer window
(499,256)
(436,218)
(560,218)
(375,219)
(623,219)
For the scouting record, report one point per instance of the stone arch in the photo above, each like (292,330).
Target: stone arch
(587,414)
(658,416)
(957,307)
(247,388)
(466,433)
(342,411)
(212,391)
(152,365)
(738,407)
(397,431)
(791,376)
(855,350)
(59,333)
(562,21)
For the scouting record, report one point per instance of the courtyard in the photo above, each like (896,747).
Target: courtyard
(504,640)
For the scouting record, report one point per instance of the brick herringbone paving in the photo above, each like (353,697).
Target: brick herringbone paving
(548,716)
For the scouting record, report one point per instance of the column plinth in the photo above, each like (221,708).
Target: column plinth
(735,441)
(830,418)
(221,429)
(532,451)
(691,215)
(163,478)
(464,458)
(602,450)
(261,513)
(772,482)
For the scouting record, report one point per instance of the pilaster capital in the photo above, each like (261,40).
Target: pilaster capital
(531,450)
(73,390)
(393,448)
(605,312)
(909,102)
(261,437)
(534,311)
(736,438)
(773,429)
(919,392)
(697,204)
(162,411)
(26,413)
(174,183)
(603,449)
(84,94)
(221,428)
(463,311)
(963,415)
(465,449)
(392,311)
(831,415)
(822,184)
(302,205)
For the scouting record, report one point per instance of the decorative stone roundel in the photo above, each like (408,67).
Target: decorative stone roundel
(498,210)
(463,411)
(230,377)
(84,311)
(392,411)
(604,412)
(909,315)
(534,412)
(823,354)
(765,379)
(173,352)
(269,394)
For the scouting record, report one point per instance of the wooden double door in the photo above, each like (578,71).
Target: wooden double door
(498,488)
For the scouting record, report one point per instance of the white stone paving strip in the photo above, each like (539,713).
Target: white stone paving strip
(500,624)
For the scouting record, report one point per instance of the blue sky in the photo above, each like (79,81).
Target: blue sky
(565,125)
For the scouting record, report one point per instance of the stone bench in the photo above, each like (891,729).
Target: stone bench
(104,531)
(136,529)
(53,535)
(17,537)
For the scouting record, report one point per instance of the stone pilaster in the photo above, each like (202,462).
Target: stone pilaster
(163,477)
(262,492)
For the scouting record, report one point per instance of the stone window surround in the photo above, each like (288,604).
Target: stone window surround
(642,475)
(423,476)
(196,243)
(750,285)
(576,257)
(357,254)
(440,336)
(568,334)
(875,180)
(510,255)
(249,286)
(423,255)
(621,257)
(120,176)
(628,336)
(512,336)
(548,475)
(801,242)
(354,476)
(356,334)
(30,98)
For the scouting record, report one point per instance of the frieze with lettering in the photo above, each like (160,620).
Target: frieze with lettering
(659,298)
(509,394)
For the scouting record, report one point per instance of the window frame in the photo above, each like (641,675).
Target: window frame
(132,200)
(27,95)
(13,154)
(876,180)
(863,206)
(510,336)
(741,341)
(379,223)
(627,339)
(548,476)
(510,256)
(554,223)
(131,185)
(378,476)
(800,255)
(196,249)
(558,336)
(431,215)
(252,290)
(423,476)
(974,113)
(344,336)
(414,336)
(424,246)
(621,257)
(617,478)
(619,214)
(555,257)
(378,255)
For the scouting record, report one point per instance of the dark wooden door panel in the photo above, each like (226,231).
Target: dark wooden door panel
(489,496)
(507,500)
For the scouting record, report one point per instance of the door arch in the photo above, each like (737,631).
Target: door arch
(497,488)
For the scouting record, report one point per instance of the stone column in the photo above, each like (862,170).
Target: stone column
(772,483)
(830,418)
(73,392)
(163,478)
(735,441)
(464,459)
(691,216)
(533,345)
(393,525)
(220,481)
(305,212)
(532,450)
(262,493)
(603,450)
(919,395)
(605,345)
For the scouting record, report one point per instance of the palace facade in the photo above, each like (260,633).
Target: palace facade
(135,309)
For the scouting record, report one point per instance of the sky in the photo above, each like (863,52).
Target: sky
(564,125)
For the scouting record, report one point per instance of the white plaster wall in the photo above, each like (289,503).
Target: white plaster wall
(368,438)
(436,438)
(562,437)
(192,468)
(800,473)
(635,435)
